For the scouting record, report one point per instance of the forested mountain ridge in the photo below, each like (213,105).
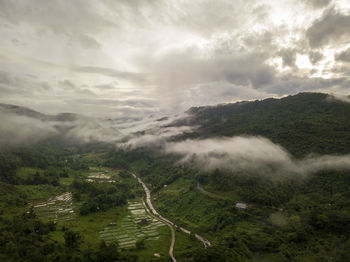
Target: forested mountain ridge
(23,111)
(303,123)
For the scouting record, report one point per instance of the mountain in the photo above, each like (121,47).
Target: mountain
(303,123)
(24,111)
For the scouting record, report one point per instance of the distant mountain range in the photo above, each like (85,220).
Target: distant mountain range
(24,111)
(304,123)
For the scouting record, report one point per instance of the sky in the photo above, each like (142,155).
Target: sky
(134,58)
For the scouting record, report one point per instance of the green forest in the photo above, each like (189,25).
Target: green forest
(297,218)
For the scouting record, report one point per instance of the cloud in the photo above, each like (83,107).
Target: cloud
(317,3)
(185,78)
(88,42)
(252,154)
(332,27)
(312,165)
(16,129)
(156,137)
(28,127)
(13,84)
(343,98)
(344,56)
(24,126)
(189,67)
(156,57)
(288,57)
(237,153)
(88,130)
(315,57)
(131,76)
(57,16)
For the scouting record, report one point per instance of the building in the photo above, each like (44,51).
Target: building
(241,205)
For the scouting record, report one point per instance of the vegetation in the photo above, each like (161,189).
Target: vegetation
(291,219)
(303,124)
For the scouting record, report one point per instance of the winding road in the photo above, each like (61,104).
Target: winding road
(172,244)
(154,212)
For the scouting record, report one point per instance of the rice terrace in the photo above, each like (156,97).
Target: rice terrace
(58,208)
(136,226)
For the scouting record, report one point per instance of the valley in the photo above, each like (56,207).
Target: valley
(95,201)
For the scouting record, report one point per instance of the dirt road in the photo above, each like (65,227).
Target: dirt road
(172,244)
(153,211)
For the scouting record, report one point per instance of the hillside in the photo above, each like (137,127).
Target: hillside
(81,200)
(304,123)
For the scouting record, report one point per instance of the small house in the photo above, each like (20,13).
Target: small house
(241,205)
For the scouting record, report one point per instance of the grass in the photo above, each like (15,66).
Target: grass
(66,181)
(90,225)
(225,194)
(130,229)
(25,172)
(182,203)
(34,192)
(96,226)
(160,246)
(184,245)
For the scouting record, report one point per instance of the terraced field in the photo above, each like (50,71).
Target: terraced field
(58,208)
(135,226)
(101,176)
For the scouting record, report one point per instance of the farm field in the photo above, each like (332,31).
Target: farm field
(129,226)
(136,226)
(57,208)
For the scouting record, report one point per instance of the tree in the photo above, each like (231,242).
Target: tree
(72,239)
(140,244)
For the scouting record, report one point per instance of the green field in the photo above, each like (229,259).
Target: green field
(183,204)
(137,225)
(58,208)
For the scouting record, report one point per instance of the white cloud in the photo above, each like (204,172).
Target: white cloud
(252,154)
(173,53)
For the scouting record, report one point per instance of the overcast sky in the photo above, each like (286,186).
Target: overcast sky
(129,58)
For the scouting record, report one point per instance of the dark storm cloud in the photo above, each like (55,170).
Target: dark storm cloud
(288,57)
(187,68)
(330,28)
(315,57)
(344,56)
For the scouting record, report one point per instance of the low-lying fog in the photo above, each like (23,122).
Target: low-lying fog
(233,154)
